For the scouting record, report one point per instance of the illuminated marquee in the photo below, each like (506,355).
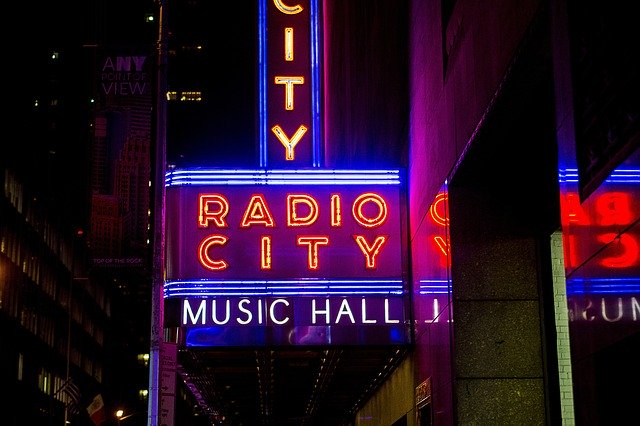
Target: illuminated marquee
(213,209)
(271,253)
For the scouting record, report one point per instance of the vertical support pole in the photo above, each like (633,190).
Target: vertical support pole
(70,311)
(157,299)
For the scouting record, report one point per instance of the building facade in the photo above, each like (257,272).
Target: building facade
(69,346)
(524,216)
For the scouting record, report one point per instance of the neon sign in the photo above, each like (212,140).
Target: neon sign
(611,212)
(289,254)
(608,309)
(289,84)
(258,213)
(248,249)
(604,223)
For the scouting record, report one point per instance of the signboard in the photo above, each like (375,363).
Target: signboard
(423,392)
(287,257)
(289,84)
(591,225)
(121,155)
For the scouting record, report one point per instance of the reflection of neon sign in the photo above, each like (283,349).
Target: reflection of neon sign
(606,286)
(606,309)
(438,215)
(628,251)
(611,212)
(611,208)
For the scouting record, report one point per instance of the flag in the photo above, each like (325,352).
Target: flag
(73,393)
(96,410)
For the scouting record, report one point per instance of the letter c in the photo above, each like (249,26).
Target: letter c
(272,311)
(203,252)
(289,10)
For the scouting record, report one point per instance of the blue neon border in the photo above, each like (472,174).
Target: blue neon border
(281,288)
(575,287)
(620,176)
(201,177)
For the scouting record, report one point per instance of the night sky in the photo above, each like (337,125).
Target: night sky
(221,129)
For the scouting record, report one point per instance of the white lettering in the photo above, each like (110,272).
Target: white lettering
(364,313)
(246,311)
(607,309)
(345,309)
(124,88)
(604,310)
(214,313)
(386,314)
(315,312)
(253,311)
(202,312)
(272,313)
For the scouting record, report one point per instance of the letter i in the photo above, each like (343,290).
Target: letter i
(265,252)
(336,211)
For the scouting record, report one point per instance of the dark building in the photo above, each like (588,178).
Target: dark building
(69,333)
(212,83)
(508,102)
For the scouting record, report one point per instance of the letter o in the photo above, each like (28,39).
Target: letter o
(358,214)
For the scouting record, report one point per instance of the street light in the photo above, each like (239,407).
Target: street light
(120,414)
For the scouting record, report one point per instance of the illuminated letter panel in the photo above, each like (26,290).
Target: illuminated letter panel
(287,257)
(295,225)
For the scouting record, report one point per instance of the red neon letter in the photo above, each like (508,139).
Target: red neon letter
(288,88)
(203,252)
(313,242)
(288,10)
(614,208)
(630,251)
(207,214)
(573,211)
(292,210)
(257,213)
(570,251)
(439,218)
(265,252)
(336,210)
(370,251)
(359,216)
(288,44)
(442,247)
(289,144)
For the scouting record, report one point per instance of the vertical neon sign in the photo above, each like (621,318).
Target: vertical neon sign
(290,253)
(289,84)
